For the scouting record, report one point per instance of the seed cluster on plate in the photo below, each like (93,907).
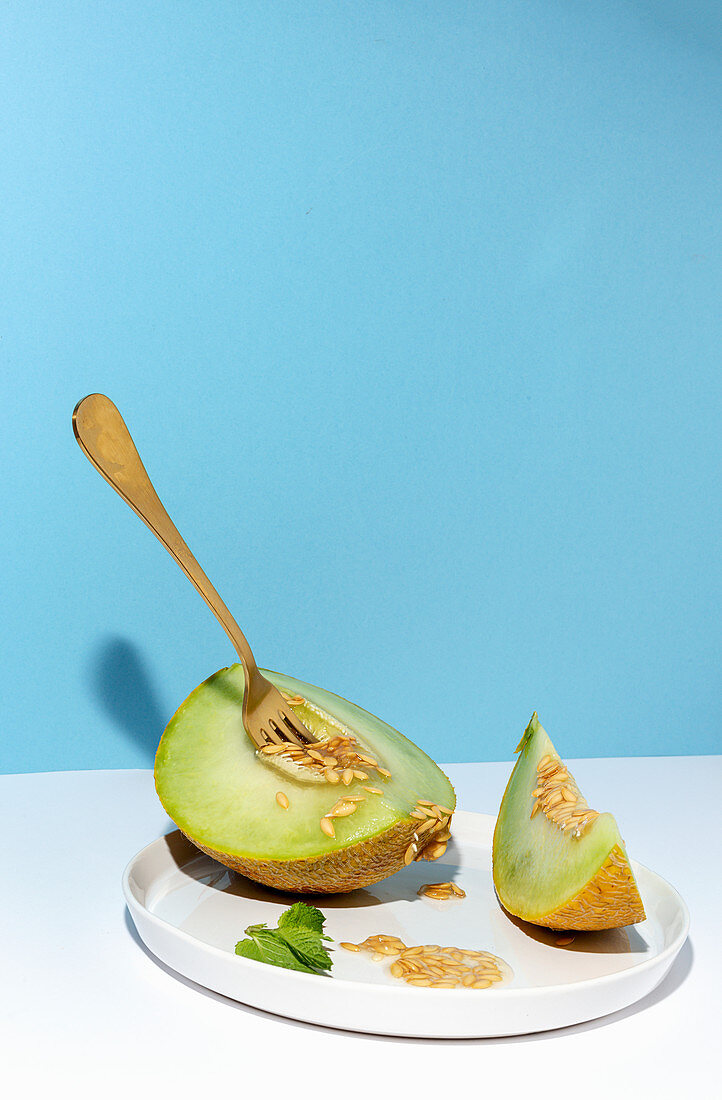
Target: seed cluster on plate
(559,798)
(379,946)
(432,834)
(441,891)
(432,966)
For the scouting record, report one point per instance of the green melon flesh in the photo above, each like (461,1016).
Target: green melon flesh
(222,794)
(552,877)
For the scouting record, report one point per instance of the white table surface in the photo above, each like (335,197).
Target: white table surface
(87,1011)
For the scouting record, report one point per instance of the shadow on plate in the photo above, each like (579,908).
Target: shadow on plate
(403,886)
(613,941)
(202,868)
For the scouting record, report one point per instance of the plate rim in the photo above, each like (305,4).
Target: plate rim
(345,984)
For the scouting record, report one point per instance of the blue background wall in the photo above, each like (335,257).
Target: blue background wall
(413,310)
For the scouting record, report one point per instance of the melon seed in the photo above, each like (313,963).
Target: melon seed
(441,891)
(342,809)
(433,966)
(558,796)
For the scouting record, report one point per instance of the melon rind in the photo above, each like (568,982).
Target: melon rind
(213,786)
(553,878)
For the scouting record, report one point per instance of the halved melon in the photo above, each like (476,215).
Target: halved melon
(558,863)
(307,826)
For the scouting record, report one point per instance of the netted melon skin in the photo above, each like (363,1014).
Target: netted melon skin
(338,872)
(202,771)
(609,900)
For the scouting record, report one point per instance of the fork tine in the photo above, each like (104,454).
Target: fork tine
(296,727)
(279,732)
(272,734)
(288,722)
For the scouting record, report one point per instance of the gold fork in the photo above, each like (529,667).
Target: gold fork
(101,432)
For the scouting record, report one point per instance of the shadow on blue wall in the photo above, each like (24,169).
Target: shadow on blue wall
(120,681)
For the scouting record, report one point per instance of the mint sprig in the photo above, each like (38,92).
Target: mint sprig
(296,944)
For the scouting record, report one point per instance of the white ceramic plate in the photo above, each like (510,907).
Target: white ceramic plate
(190,912)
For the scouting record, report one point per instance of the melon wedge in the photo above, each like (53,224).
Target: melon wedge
(558,863)
(284,824)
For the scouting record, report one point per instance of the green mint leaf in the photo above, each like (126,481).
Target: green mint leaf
(248,949)
(303,916)
(296,944)
(253,928)
(306,946)
(277,952)
(267,949)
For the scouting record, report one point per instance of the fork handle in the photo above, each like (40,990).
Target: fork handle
(101,432)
